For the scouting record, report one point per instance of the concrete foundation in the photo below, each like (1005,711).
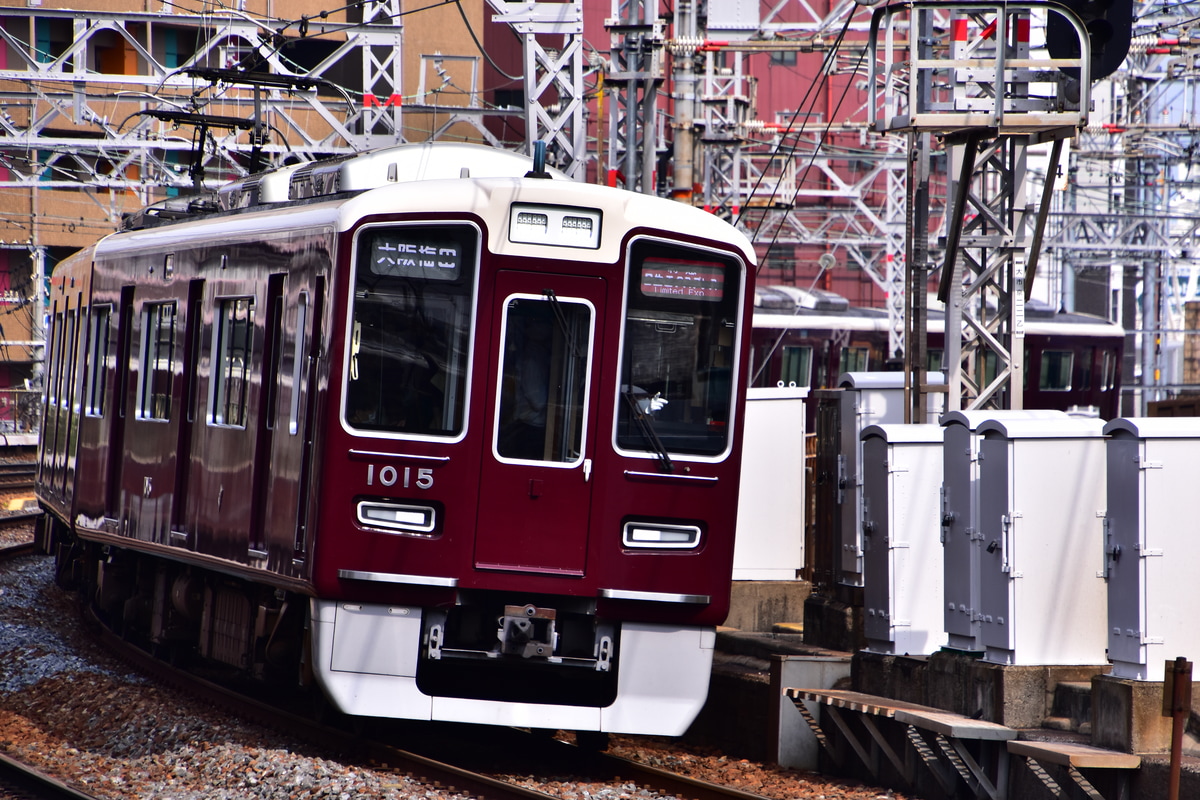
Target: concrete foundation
(758,606)
(1127,715)
(834,623)
(744,714)
(1017,697)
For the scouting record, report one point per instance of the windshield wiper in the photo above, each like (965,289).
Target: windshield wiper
(567,332)
(645,426)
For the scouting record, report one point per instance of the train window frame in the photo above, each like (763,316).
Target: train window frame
(232,360)
(724,314)
(1108,378)
(55,358)
(70,348)
(1051,376)
(299,362)
(98,367)
(861,355)
(462,298)
(157,370)
(569,418)
(804,353)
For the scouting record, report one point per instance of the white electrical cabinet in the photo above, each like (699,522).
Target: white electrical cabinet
(1042,490)
(1150,549)
(769,542)
(960,533)
(902,551)
(869,398)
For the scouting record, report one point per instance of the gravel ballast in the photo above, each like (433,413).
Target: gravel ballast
(74,712)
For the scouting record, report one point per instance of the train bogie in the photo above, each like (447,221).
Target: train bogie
(476,438)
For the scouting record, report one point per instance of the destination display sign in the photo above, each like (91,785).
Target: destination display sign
(686,281)
(416,253)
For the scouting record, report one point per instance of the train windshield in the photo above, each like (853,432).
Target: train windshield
(410,329)
(679,351)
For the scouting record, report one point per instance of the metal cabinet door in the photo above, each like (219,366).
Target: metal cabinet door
(1123,540)
(876,535)
(996,522)
(960,556)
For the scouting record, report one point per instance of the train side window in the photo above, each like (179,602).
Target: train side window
(855,359)
(273,352)
(1085,368)
(796,366)
(1056,370)
(70,348)
(1108,378)
(55,359)
(298,363)
(157,361)
(934,360)
(232,335)
(99,343)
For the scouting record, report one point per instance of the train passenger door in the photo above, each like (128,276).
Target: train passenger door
(535,488)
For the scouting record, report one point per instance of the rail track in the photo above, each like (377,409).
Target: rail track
(21,782)
(17,475)
(469,761)
(11,551)
(449,761)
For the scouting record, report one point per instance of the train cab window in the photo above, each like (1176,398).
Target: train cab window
(855,359)
(795,366)
(232,339)
(157,361)
(544,378)
(1056,367)
(99,341)
(678,351)
(411,321)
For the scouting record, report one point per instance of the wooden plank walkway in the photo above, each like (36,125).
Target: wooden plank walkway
(967,757)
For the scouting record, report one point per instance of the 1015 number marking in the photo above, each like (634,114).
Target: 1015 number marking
(390,476)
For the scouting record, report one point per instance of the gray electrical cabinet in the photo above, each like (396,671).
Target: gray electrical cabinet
(902,551)
(1150,548)
(960,534)
(868,398)
(1042,497)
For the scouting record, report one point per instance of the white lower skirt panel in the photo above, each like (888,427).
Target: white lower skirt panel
(365,658)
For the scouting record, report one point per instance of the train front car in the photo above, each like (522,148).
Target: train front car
(531,455)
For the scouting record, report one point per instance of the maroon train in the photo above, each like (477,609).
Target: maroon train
(449,440)
(809,339)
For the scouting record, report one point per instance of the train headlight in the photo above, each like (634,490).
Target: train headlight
(660,536)
(397,517)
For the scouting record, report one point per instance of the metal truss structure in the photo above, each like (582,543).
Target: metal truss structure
(970,78)
(784,185)
(635,75)
(137,129)
(72,120)
(554,95)
(1128,219)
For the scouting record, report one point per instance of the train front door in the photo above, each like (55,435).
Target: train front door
(535,487)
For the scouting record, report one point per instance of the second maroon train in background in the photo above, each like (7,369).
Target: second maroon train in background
(809,339)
